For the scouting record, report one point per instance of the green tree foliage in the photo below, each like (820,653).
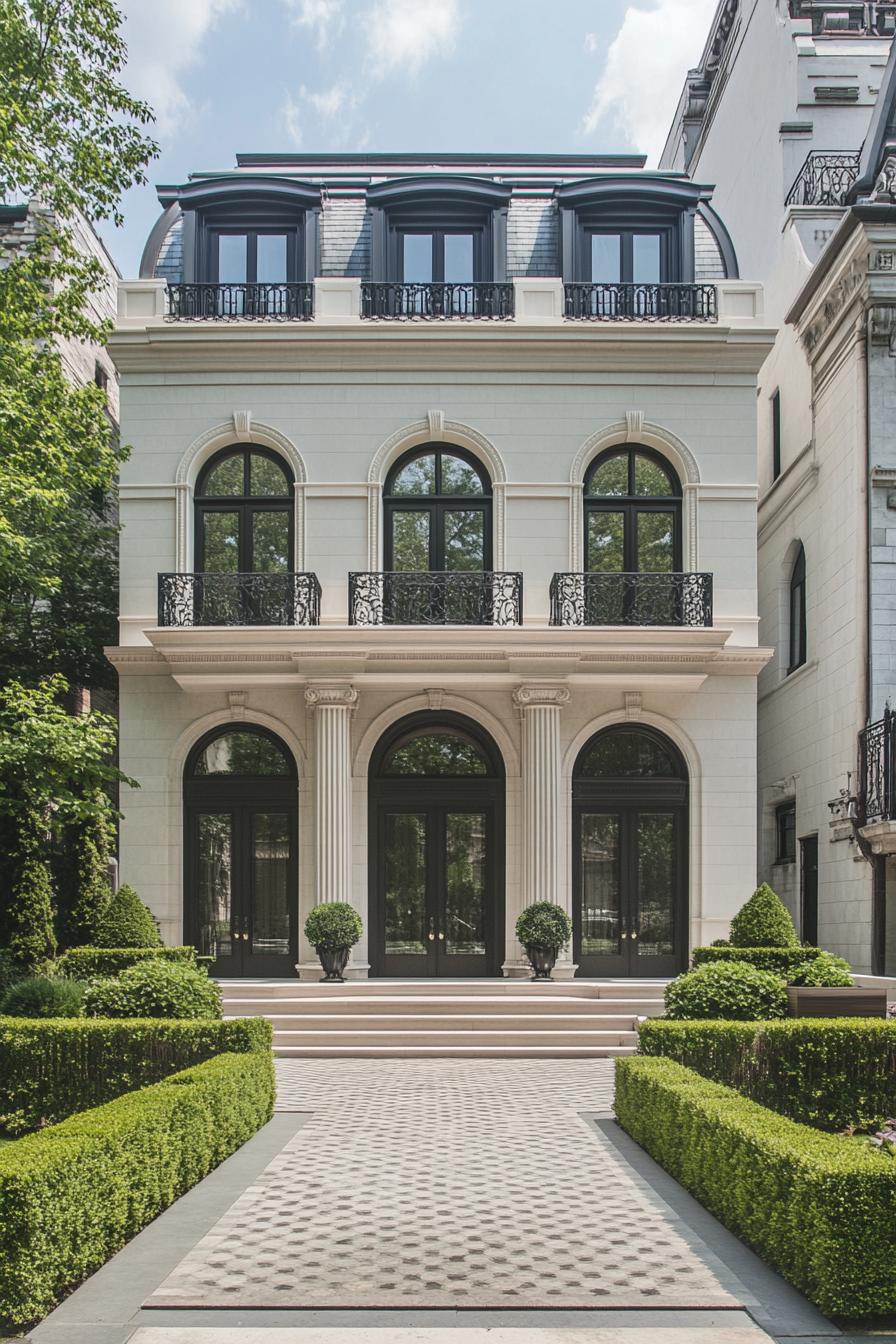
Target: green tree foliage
(127,922)
(26,903)
(82,879)
(763,922)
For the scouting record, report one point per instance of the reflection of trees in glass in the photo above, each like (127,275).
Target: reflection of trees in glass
(464,540)
(242,753)
(215,874)
(417,478)
(410,541)
(600,883)
(226,478)
(436,753)
(270,913)
(465,883)
(656,883)
(405,882)
(628,755)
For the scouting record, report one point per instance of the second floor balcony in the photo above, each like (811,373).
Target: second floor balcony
(877,771)
(288,599)
(601,599)
(424,597)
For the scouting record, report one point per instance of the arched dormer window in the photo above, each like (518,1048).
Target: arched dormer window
(438,512)
(797,612)
(439,229)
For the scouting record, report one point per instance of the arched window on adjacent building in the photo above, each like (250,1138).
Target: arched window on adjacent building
(797,612)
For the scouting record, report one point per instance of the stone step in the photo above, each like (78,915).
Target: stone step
(586,989)
(376,1021)
(337,1009)
(475,1051)
(403,1037)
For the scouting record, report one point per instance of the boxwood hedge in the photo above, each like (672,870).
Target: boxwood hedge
(51,1069)
(87,963)
(818,1207)
(826,1072)
(784,961)
(73,1194)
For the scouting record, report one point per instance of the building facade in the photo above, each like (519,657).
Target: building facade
(787,114)
(438,582)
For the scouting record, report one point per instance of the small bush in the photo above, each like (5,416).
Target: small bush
(763,922)
(825,969)
(784,961)
(42,997)
(732,990)
(821,1071)
(333,924)
(51,1069)
(155,989)
(127,922)
(544,924)
(75,1193)
(91,963)
(804,1200)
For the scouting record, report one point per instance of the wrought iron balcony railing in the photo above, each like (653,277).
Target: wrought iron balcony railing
(824,179)
(239,599)
(877,763)
(838,17)
(641,303)
(255,303)
(435,598)
(631,599)
(437,301)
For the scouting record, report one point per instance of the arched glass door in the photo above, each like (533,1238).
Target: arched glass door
(436,850)
(630,812)
(240,879)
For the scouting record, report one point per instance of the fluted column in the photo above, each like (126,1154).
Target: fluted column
(539,706)
(332,706)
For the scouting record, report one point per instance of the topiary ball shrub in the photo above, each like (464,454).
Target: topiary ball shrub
(333,924)
(825,970)
(127,922)
(155,989)
(42,997)
(763,922)
(544,924)
(731,990)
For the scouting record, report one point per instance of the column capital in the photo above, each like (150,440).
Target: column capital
(539,694)
(339,695)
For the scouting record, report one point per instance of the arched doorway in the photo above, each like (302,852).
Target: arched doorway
(240,846)
(436,840)
(630,837)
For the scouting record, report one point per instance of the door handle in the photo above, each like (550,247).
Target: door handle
(634,933)
(624,933)
(432,931)
(441,937)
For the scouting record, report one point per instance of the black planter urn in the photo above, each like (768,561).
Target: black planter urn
(333,960)
(542,960)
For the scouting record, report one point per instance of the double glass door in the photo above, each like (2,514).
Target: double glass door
(241,887)
(436,877)
(630,907)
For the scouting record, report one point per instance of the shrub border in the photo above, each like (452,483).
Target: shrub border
(83,963)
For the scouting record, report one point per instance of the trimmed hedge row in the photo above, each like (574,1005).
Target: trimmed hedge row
(826,1072)
(72,1195)
(49,1069)
(818,1207)
(783,961)
(86,963)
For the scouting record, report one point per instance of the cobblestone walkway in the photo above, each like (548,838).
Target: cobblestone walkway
(445,1183)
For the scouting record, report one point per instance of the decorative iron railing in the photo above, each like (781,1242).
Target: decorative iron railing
(437,301)
(840,18)
(631,599)
(641,303)
(824,179)
(256,303)
(877,761)
(239,599)
(435,598)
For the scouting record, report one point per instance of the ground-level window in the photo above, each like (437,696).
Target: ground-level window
(785,833)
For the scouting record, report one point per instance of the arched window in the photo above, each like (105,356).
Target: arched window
(244,513)
(240,874)
(632,514)
(438,512)
(797,612)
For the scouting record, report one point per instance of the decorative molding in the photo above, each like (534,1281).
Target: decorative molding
(885,186)
(838,300)
(336,695)
(534,695)
(237,702)
(634,426)
(147,491)
(883,325)
(435,697)
(242,425)
(632,702)
(436,421)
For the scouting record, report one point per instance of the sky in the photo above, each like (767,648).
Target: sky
(553,76)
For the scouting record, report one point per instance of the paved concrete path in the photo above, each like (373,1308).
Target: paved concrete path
(447,1183)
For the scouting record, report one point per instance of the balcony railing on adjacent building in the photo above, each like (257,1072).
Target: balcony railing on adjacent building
(824,179)
(641,302)
(239,599)
(631,599)
(437,301)
(877,760)
(435,598)
(208,302)
(838,18)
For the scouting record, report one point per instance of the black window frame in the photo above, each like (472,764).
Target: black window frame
(437,505)
(438,250)
(252,231)
(665,233)
(245,505)
(439,204)
(776,433)
(631,504)
(785,832)
(796,613)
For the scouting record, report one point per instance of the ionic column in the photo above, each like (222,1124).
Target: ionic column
(332,706)
(539,707)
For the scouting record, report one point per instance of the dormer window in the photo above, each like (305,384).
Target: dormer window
(439,230)
(628,257)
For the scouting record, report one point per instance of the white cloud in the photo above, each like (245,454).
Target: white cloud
(405,34)
(291,120)
(645,68)
(592,42)
(329,102)
(324,17)
(164,39)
